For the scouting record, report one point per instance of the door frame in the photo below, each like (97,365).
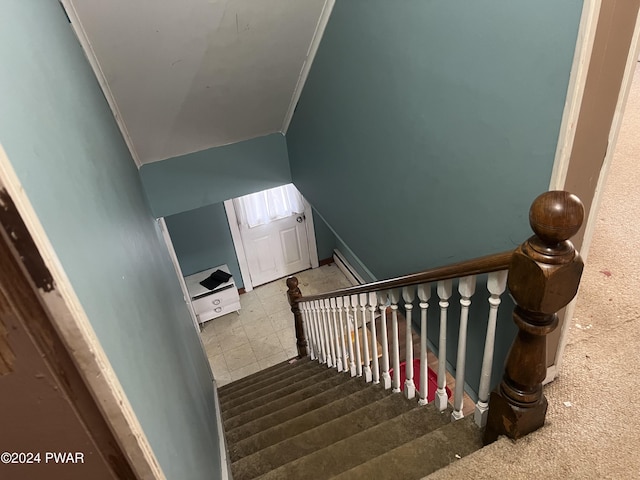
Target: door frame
(575,93)
(241,255)
(26,317)
(71,323)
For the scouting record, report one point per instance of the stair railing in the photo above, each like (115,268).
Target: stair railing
(542,275)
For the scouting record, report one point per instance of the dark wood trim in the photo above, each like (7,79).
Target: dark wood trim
(20,260)
(293,293)
(325,261)
(489,263)
(17,231)
(544,276)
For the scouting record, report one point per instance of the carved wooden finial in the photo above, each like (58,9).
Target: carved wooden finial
(556,216)
(292,283)
(544,276)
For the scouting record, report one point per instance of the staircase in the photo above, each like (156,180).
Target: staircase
(337,411)
(299,419)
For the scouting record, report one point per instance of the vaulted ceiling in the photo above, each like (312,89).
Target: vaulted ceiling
(189,75)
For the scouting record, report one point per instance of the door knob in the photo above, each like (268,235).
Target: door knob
(300,219)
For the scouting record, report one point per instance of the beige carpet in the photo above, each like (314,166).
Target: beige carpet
(598,436)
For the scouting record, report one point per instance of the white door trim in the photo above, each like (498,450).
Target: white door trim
(575,92)
(573,103)
(73,325)
(616,123)
(176,264)
(239,246)
(586,36)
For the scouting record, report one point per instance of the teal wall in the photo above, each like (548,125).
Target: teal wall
(202,240)
(212,176)
(431,126)
(63,143)
(425,130)
(354,262)
(325,238)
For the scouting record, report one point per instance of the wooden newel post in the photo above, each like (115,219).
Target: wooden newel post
(543,277)
(293,294)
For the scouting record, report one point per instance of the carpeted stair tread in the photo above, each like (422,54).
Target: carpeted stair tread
(269,372)
(268,380)
(249,379)
(416,459)
(253,413)
(276,384)
(271,393)
(324,435)
(350,386)
(361,447)
(306,421)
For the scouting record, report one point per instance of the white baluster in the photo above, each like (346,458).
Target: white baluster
(394,298)
(409,386)
(343,347)
(330,330)
(356,339)
(320,332)
(466,288)
(338,356)
(307,308)
(424,294)
(314,330)
(308,330)
(350,331)
(365,337)
(375,367)
(496,284)
(327,334)
(444,293)
(386,378)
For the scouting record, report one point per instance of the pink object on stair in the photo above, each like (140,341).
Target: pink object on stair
(431,376)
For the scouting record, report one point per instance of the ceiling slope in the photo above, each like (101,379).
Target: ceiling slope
(190,75)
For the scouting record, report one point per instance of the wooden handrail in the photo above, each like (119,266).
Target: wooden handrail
(476,266)
(543,277)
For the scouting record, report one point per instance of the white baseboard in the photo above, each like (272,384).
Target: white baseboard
(225,465)
(347,268)
(552,373)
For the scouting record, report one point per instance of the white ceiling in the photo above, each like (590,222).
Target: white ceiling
(192,74)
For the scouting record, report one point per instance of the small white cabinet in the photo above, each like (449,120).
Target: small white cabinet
(210,304)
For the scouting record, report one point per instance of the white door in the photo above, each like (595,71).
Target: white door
(274,233)
(277,249)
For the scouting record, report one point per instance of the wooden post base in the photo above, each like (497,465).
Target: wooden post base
(301,345)
(544,276)
(511,420)
(293,294)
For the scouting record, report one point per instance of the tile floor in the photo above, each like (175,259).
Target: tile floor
(262,333)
